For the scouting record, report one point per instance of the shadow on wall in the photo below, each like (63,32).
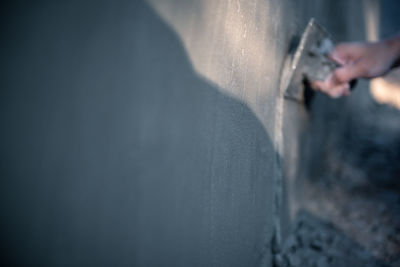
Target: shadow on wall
(114,152)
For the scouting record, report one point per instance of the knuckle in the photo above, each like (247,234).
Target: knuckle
(340,76)
(365,70)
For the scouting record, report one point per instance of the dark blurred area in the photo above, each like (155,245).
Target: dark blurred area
(352,148)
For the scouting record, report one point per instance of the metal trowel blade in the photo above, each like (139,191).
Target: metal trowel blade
(310,61)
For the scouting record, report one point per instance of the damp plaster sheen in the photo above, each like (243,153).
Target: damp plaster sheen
(144,133)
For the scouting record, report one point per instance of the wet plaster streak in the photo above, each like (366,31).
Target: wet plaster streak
(276,241)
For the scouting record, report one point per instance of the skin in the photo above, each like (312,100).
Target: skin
(360,60)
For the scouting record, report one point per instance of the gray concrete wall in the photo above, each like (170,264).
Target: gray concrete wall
(143,133)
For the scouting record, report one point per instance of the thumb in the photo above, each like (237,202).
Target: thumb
(347,73)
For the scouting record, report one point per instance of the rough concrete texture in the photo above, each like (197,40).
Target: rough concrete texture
(144,133)
(368,215)
(317,243)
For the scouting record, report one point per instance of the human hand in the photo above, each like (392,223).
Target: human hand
(357,60)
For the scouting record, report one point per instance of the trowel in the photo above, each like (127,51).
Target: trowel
(309,62)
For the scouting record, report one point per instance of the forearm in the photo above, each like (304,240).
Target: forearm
(393,45)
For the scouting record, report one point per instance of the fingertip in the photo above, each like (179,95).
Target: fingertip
(334,94)
(316,84)
(341,75)
(346,89)
(319,86)
(335,56)
(339,90)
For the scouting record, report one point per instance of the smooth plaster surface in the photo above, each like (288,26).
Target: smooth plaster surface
(143,133)
(114,151)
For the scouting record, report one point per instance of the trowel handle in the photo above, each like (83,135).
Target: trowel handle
(353,84)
